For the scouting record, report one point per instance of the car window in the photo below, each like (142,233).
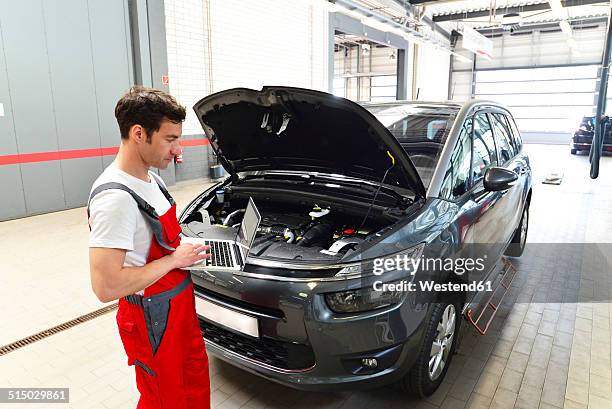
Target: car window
(484,154)
(457,176)
(518,142)
(588,122)
(503,140)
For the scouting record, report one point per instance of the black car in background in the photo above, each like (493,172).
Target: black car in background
(583,137)
(339,186)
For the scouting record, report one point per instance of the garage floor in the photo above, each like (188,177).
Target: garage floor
(549,346)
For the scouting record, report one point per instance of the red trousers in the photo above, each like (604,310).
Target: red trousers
(177,375)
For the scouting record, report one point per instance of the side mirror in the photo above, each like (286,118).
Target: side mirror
(497,179)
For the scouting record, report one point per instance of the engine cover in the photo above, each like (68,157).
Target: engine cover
(290,220)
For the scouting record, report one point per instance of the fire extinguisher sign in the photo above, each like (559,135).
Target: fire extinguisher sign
(165,80)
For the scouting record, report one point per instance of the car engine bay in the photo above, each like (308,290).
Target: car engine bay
(292,227)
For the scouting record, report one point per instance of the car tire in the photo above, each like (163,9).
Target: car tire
(517,245)
(425,377)
(573,151)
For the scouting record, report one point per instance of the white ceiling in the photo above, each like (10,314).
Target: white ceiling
(395,9)
(433,9)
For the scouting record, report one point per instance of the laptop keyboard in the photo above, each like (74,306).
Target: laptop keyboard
(220,254)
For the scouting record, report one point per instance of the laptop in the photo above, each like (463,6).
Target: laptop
(229,255)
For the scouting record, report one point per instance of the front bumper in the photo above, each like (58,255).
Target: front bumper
(302,343)
(583,146)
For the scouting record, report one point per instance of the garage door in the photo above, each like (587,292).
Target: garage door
(551,99)
(547,85)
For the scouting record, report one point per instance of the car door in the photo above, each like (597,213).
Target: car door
(455,188)
(489,219)
(508,159)
(476,210)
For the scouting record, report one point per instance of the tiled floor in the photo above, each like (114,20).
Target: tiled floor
(549,346)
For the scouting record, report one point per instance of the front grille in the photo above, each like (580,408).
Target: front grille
(583,139)
(283,355)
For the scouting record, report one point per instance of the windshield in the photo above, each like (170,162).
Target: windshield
(588,122)
(421,130)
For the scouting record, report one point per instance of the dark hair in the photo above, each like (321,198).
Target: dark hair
(146,107)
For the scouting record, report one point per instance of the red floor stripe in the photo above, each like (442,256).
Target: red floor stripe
(77,153)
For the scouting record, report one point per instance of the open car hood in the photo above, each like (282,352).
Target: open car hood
(284,128)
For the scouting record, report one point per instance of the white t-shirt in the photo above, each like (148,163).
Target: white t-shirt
(116,221)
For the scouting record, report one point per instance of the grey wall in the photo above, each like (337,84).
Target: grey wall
(63,65)
(10,175)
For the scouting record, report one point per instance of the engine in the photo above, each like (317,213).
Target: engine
(293,226)
(318,229)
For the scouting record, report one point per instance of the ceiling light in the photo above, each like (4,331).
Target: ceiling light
(461,57)
(373,23)
(565,27)
(555,5)
(558,9)
(511,21)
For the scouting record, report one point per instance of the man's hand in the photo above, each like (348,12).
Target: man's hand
(111,281)
(188,254)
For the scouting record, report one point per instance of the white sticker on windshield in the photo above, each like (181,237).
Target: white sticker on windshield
(1,109)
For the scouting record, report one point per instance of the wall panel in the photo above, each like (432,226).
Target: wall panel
(43,187)
(79,175)
(13,202)
(28,75)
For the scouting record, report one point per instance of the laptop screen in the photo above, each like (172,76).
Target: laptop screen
(248,227)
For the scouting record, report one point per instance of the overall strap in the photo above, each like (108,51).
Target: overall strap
(160,183)
(164,296)
(146,209)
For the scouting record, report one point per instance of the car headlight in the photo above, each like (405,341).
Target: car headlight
(368,298)
(363,299)
(377,266)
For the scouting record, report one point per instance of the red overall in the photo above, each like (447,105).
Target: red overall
(169,357)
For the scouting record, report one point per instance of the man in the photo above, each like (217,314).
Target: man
(135,256)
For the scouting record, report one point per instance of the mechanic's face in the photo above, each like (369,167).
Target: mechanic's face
(163,145)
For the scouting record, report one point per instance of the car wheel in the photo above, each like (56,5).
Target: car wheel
(573,151)
(517,245)
(436,351)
